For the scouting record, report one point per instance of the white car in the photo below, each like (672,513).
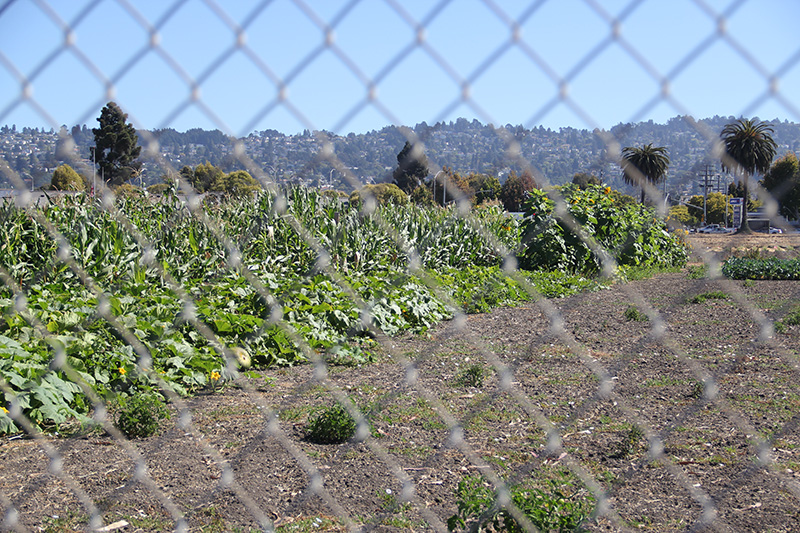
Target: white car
(713,228)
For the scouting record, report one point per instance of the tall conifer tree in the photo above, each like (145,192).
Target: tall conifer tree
(116,146)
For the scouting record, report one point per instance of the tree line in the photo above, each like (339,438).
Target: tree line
(469,146)
(749,150)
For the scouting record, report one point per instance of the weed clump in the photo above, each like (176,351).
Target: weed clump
(629,443)
(332,425)
(711,295)
(472,376)
(140,416)
(633,314)
(697,272)
(550,505)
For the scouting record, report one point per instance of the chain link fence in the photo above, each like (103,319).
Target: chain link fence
(660,429)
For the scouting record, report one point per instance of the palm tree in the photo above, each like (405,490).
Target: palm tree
(646,164)
(749,148)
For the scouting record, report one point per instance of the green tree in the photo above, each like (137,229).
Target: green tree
(583,180)
(384,193)
(695,207)
(782,180)
(645,165)
(116,146)
(749,148)
(483,188)
(515,190)
(715,206)
(204,177)
(66,179)
(412,167)
(168,183)
(449,187)
(237,183)
(682,214)
(422,195)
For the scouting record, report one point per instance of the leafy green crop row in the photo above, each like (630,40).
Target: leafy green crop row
(772,268)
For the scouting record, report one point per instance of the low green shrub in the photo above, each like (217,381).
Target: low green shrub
(792,318)
(711,295)
(551,505)
(697,272)
(140,416)
(633,314)
(481,289)
(472,376)
(332,425)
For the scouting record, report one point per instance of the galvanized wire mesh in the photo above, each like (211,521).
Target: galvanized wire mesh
(231,478)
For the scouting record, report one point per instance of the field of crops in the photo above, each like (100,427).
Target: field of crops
(104,297)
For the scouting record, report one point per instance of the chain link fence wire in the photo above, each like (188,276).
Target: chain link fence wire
(272,478)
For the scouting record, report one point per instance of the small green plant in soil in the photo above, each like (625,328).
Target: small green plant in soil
(697,272)
(792,318)
(710,295)
(472,376)
(633,314)
(629,443)
(333,425)
(554,504)
(140,416)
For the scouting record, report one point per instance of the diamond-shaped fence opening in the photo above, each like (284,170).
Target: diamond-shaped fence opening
(164,355)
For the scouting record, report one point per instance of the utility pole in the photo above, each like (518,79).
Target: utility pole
(706,177)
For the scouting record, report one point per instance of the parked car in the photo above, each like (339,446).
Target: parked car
(713,228)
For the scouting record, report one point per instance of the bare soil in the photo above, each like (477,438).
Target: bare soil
(685,421)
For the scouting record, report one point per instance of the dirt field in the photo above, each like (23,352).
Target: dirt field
(696,429)
(779,245)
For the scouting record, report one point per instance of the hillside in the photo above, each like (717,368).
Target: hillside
(462,145)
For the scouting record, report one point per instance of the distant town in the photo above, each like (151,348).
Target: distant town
(464,146)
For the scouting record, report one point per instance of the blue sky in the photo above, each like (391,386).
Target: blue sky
(354,66)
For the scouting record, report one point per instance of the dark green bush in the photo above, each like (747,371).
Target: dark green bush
(140,416)
(332,425)
(631,234)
